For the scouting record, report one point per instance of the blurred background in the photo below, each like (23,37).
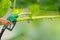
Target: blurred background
(40,29)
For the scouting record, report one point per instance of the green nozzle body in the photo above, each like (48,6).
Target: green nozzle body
(12,17)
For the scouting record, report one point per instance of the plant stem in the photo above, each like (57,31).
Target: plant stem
(37,17)
(14,4)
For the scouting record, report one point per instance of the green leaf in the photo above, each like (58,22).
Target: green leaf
(34,9)
(4,6)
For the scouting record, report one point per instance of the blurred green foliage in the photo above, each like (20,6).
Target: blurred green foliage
(49,5)
(34,9)
(24,3)
(4,6)
(43,29)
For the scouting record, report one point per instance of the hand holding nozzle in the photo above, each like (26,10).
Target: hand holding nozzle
(5,22)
